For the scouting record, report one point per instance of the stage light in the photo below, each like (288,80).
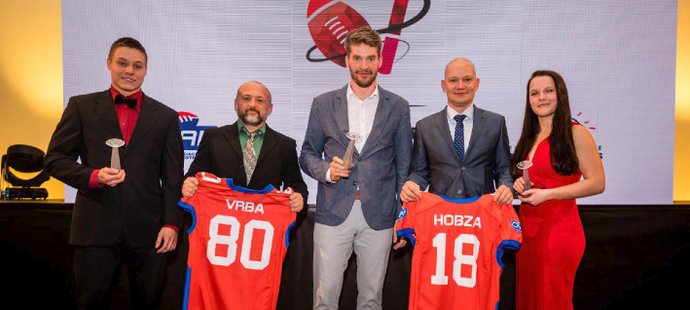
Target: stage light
(25,159)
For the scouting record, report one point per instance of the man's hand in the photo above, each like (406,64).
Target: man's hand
(503,195)
(166,241)
(398,243)
(338,171)
(190,186)
(410,192)
(110,177)
(296,202)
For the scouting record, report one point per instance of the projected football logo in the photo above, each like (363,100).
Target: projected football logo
(330,22)
(191,132)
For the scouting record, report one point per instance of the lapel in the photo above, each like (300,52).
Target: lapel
(441,125)
(270,142)
(105,110)
(340,116)
(232,136)
(477,128)
(147,117)
(383,110)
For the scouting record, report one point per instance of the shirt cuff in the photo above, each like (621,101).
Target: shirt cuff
(177,230)
(328,176)
(93,180)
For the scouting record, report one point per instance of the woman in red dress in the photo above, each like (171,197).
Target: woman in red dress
(565,166)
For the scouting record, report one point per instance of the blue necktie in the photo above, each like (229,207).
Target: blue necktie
(459,140)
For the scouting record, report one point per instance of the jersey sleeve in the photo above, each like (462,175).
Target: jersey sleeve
(513,229)
(511,232)
(404,225)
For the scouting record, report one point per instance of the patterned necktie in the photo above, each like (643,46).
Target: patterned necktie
(249,156)
(459,140)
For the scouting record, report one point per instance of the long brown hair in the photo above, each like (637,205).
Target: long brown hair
(563,155)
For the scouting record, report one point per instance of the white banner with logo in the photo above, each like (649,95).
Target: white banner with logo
(617,57)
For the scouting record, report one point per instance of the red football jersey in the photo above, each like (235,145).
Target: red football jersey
(237,244)
(458,245)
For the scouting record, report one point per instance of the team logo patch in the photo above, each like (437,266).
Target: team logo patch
(403,212)
(516,225)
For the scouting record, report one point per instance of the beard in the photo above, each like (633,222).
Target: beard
(364,83)
(250,119)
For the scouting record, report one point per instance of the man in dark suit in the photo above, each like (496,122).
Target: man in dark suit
(120,218)
(221,150)
(356,204)
(463,150)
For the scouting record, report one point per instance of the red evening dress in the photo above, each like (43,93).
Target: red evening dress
(553,242)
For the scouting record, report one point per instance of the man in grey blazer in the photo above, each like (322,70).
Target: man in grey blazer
(356,205)
(474,162)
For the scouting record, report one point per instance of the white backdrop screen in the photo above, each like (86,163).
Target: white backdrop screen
(617,57)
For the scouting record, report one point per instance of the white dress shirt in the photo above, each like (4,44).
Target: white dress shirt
(467,123)
(360,118)
(360,114)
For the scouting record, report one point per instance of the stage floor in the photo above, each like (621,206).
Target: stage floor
(636,257)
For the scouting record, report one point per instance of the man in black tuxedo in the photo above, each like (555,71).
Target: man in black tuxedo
(221,149)
(120,218)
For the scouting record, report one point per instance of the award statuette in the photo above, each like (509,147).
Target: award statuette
(524,165)
(349,152)
(115,143)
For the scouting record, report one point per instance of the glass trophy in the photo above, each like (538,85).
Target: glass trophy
(524,165)
(115,143)
(349,152)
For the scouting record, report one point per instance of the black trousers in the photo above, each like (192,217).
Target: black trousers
(96,271)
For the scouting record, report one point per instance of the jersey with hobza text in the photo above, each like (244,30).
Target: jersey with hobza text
(458,245)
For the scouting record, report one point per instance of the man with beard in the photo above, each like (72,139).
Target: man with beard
(223,150)
(356,204)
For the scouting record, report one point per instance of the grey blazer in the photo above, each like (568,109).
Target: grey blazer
(379,170)
(486,163)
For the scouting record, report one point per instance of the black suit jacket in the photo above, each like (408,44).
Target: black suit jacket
(220,153)
(153,162)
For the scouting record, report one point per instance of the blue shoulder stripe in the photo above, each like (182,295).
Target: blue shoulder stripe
(231,184)
(505,245)
(408,233)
